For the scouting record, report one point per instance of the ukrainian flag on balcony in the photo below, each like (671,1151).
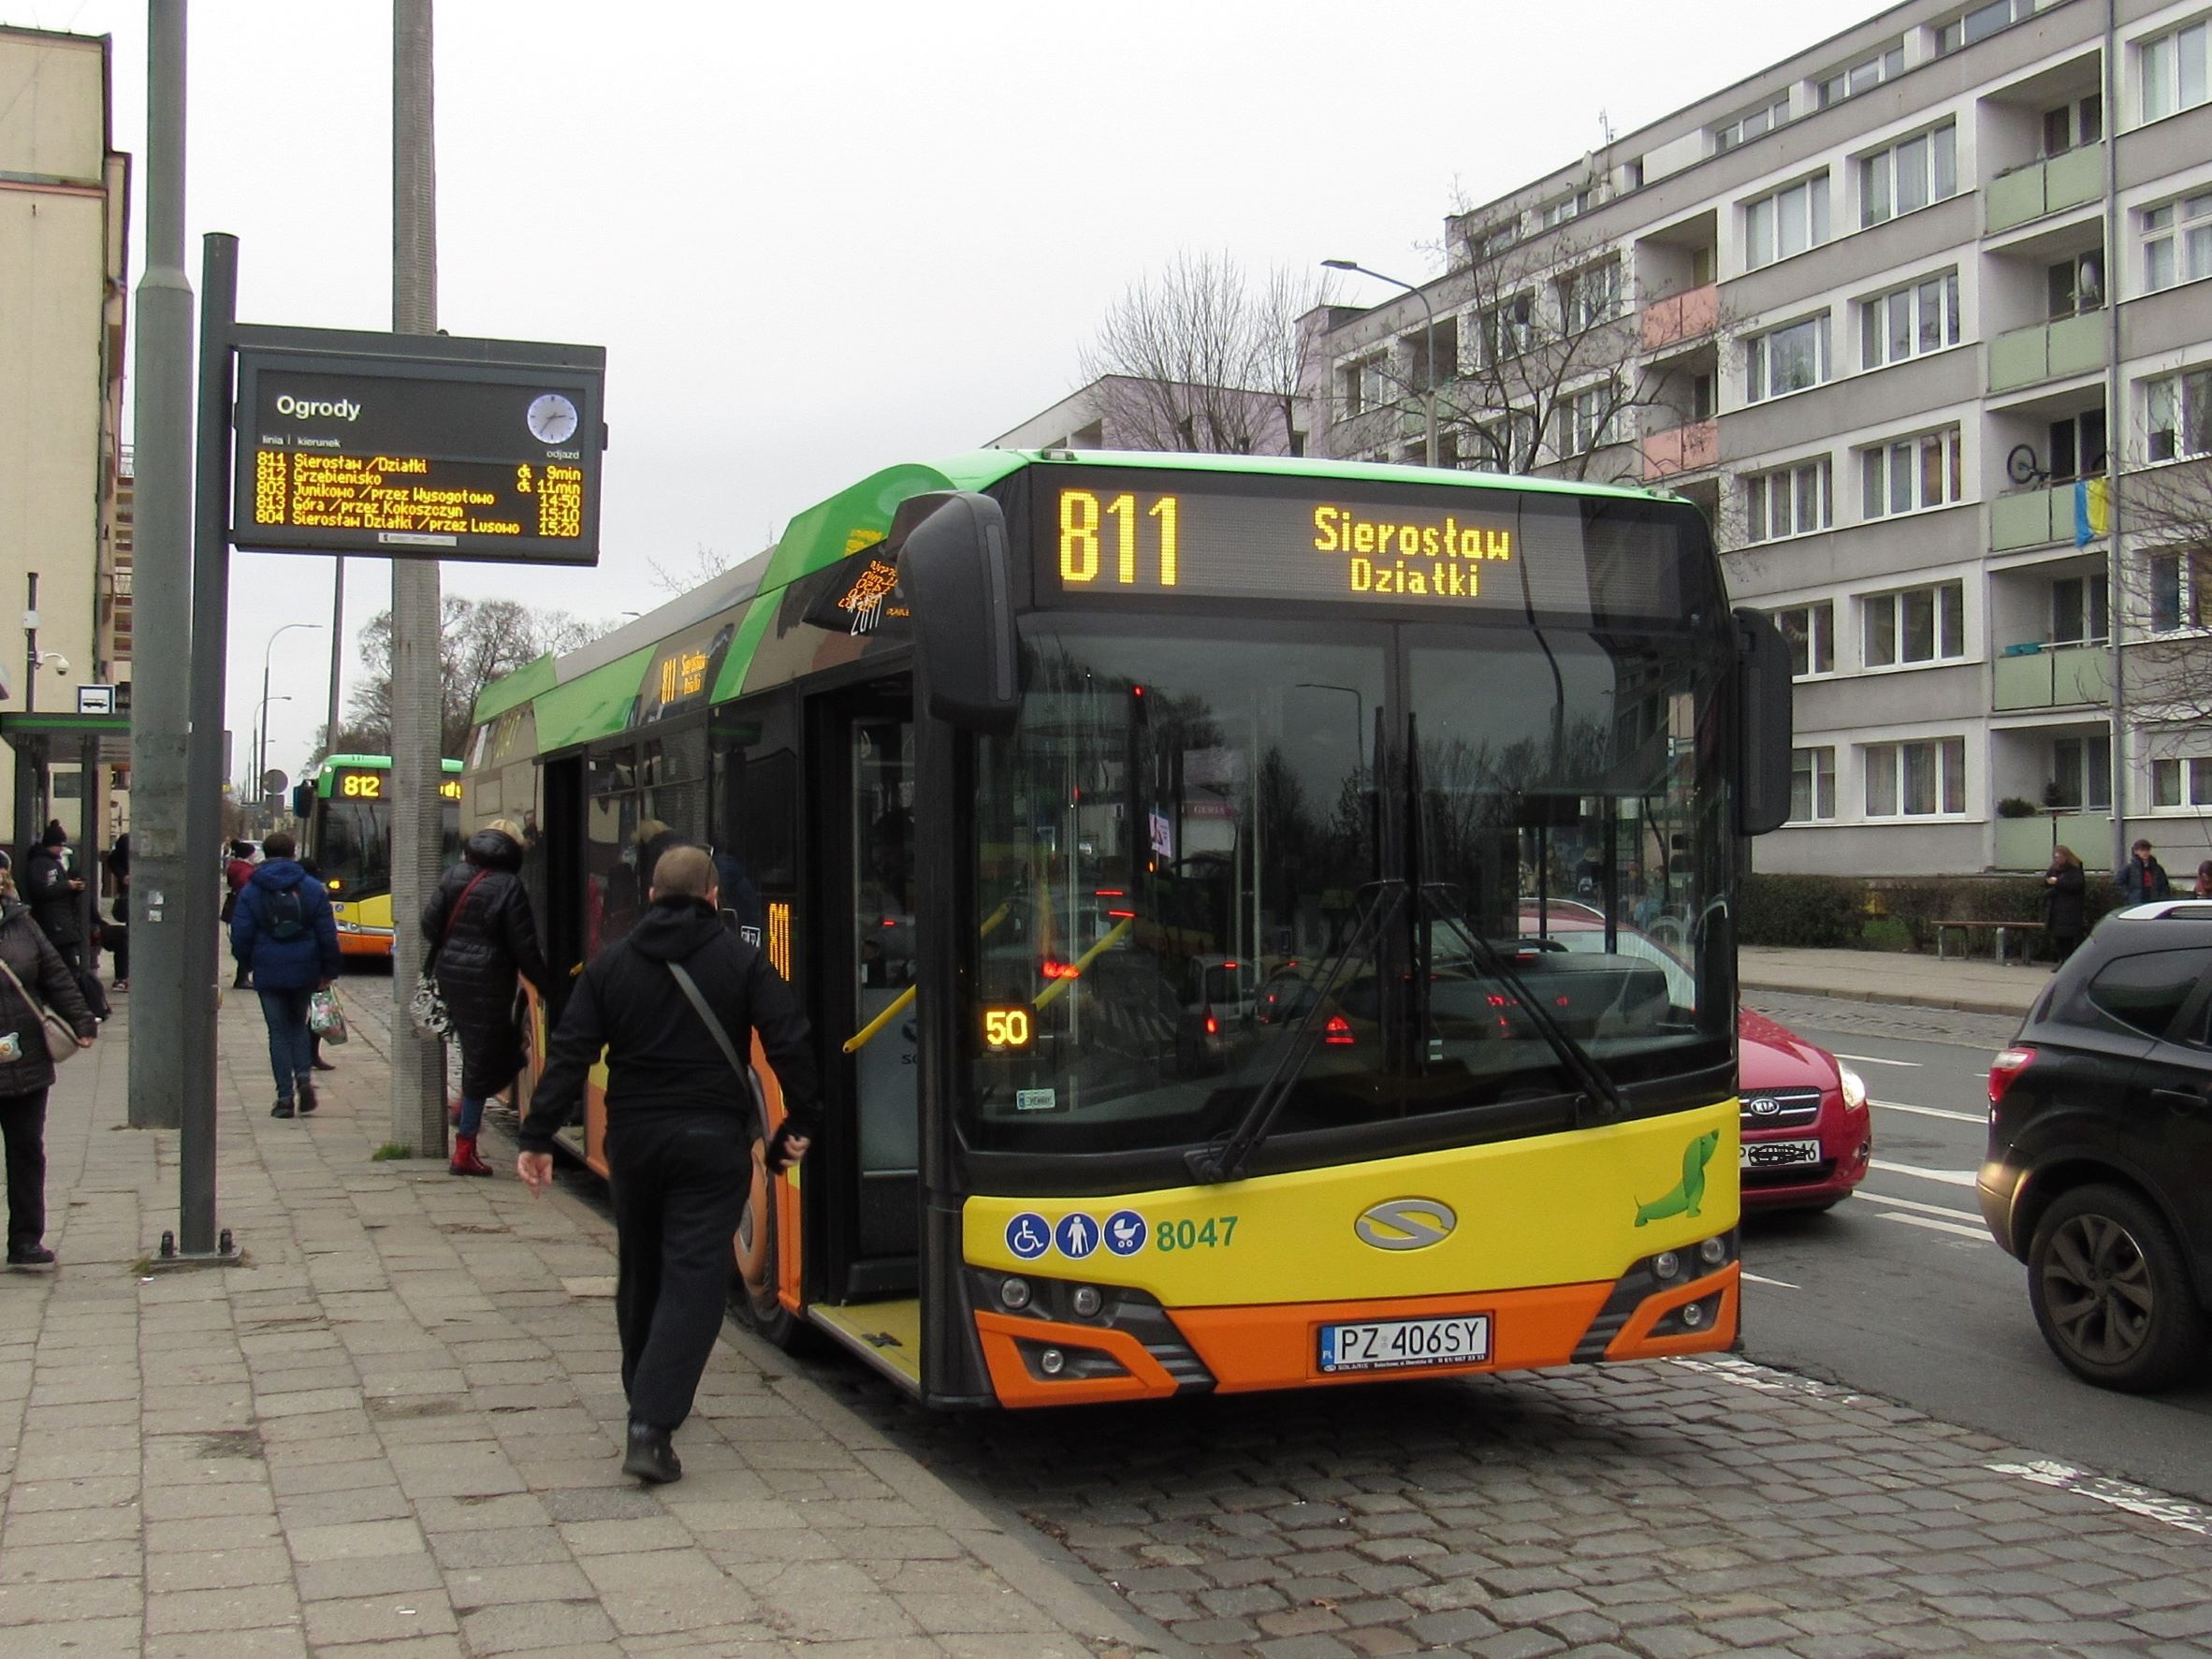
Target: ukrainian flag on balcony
(2092,510)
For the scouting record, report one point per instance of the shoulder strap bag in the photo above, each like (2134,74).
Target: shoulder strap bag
(689,987)
(60,1037)
(426,1010)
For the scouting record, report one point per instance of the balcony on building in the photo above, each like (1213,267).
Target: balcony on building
(2052,787)
(2041,144)
(2039,450)
(2044,306)
(1675,272)
(2049,621)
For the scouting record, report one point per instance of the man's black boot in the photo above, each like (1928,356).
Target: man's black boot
(650,1457)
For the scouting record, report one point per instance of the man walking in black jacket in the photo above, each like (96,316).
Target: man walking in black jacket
(680,1128)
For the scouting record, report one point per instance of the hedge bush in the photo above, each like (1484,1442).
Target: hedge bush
(1830,912)
(1813,912)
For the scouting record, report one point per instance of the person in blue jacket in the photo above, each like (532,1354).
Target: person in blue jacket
(283,933)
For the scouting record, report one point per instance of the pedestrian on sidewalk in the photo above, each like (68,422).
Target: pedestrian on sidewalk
(2203,887)
(283,933)
(315,1038)
(119,881)
(674,1005)
(56,897)
(2141,878)
(37,978)
(481,918)
(236,874)
(2065,900)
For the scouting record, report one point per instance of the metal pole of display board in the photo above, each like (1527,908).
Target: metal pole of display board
(418,1066)
(162,377)
(203,766)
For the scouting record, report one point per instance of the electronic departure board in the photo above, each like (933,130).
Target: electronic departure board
(1159,536)
(358,784)
(438,457)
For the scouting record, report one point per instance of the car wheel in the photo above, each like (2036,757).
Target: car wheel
(756,1245)
(2111,1291)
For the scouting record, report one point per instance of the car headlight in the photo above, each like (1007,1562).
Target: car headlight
(1854,1087)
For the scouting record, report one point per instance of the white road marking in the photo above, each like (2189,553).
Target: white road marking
(1875,1060)
(1899,1204)
(2135,1500)
(1948,1178)
(1981,1234)
(1763,1279)
(1980,1118)
(1764,1379)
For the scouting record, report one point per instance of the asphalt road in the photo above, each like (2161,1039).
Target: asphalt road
(1901,1292)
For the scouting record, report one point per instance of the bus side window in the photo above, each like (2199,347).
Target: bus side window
(755,841)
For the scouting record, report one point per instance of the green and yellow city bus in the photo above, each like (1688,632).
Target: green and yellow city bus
(1213,883)
(345,816)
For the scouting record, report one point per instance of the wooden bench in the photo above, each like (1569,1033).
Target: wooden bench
(2001,929)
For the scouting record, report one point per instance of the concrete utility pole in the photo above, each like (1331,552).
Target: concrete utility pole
(419,1067)
(160,732)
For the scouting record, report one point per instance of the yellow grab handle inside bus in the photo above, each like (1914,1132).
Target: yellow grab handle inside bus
(1083,961)
(904,999)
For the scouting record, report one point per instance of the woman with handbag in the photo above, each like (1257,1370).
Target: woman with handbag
(43,1019)
(486,935)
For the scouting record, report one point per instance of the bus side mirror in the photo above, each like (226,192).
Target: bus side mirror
(303,801)
(1763,724)
(954,572)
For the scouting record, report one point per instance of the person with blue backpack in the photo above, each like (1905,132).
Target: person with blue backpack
(283,933)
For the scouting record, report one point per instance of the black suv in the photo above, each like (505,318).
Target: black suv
(2100,1169)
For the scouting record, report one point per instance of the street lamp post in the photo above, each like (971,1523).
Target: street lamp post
(1428,346)
(261,743)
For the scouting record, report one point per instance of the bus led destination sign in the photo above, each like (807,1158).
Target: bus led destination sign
(1164,537)
(418,456)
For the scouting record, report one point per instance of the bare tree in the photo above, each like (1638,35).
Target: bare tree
(1202,358)
(706,564)
(482,641)
(2165,589)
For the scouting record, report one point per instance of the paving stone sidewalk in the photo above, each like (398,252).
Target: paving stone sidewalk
(393,1431)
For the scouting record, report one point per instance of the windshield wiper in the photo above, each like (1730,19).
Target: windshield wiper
(1598,1089)
(1225,1158)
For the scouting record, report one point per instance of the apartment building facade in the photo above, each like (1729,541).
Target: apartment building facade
(64,210)
(1921,317)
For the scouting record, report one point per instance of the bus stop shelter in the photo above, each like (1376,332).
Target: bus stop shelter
(90,742)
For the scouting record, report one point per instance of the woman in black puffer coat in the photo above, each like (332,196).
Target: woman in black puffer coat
(482,914)
(26,1067)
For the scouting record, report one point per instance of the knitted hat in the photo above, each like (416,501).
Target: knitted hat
(55,834)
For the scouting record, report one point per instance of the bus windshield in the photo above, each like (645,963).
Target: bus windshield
(1198,852)
(351,843)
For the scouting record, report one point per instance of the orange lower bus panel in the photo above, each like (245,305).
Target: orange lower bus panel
(365,945)
(1276,1347)
(1143,1378)
(1635,1341)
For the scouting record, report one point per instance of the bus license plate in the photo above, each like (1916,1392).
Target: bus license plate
(1780,1155)
(1462,1340)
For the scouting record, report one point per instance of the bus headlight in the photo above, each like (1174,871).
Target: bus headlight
(1015,1293)
(1666,1264)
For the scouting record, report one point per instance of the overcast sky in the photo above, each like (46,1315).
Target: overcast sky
(817,239)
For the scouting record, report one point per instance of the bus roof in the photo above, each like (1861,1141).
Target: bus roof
(334,764)
(588,692)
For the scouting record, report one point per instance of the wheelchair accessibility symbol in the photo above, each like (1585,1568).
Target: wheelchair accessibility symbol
(1028,1235)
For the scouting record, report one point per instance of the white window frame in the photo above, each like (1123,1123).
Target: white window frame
(2185,574)
(1890,760)
(2095,779)
(1807,216)
(1988,18)
(1591,295)
(1506,328)
(1931,173)
(1772,516)
(1889,611)
(1819,775)
(1759,364)
(1879,496)
(2174,70)
(1818,632)
(1589,420)
(2176,240)
(1752,123)
(1861,77)
(2178,414)
(1877,316)
(2179,784)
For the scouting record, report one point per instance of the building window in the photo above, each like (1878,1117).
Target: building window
(1589,296)
(2177,243)
(1979,24)
(1909,175)
(1590,420)
(2178,414)
(2074,285)
(2073,124)
(1788,222)
(1863,77)
(2079,609)
(1786,360)
(1813,784)
(1914,625)
(1554,214)
(2081,773)
(2178,585)
(1788,501)
(1908,321)
(2173,70)
(2077,445)
(1505,328)
(1360,386)
(1432,354)
(1916,779)
(1810,630)
(2181,782)
(1746,127)
(1909,474)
